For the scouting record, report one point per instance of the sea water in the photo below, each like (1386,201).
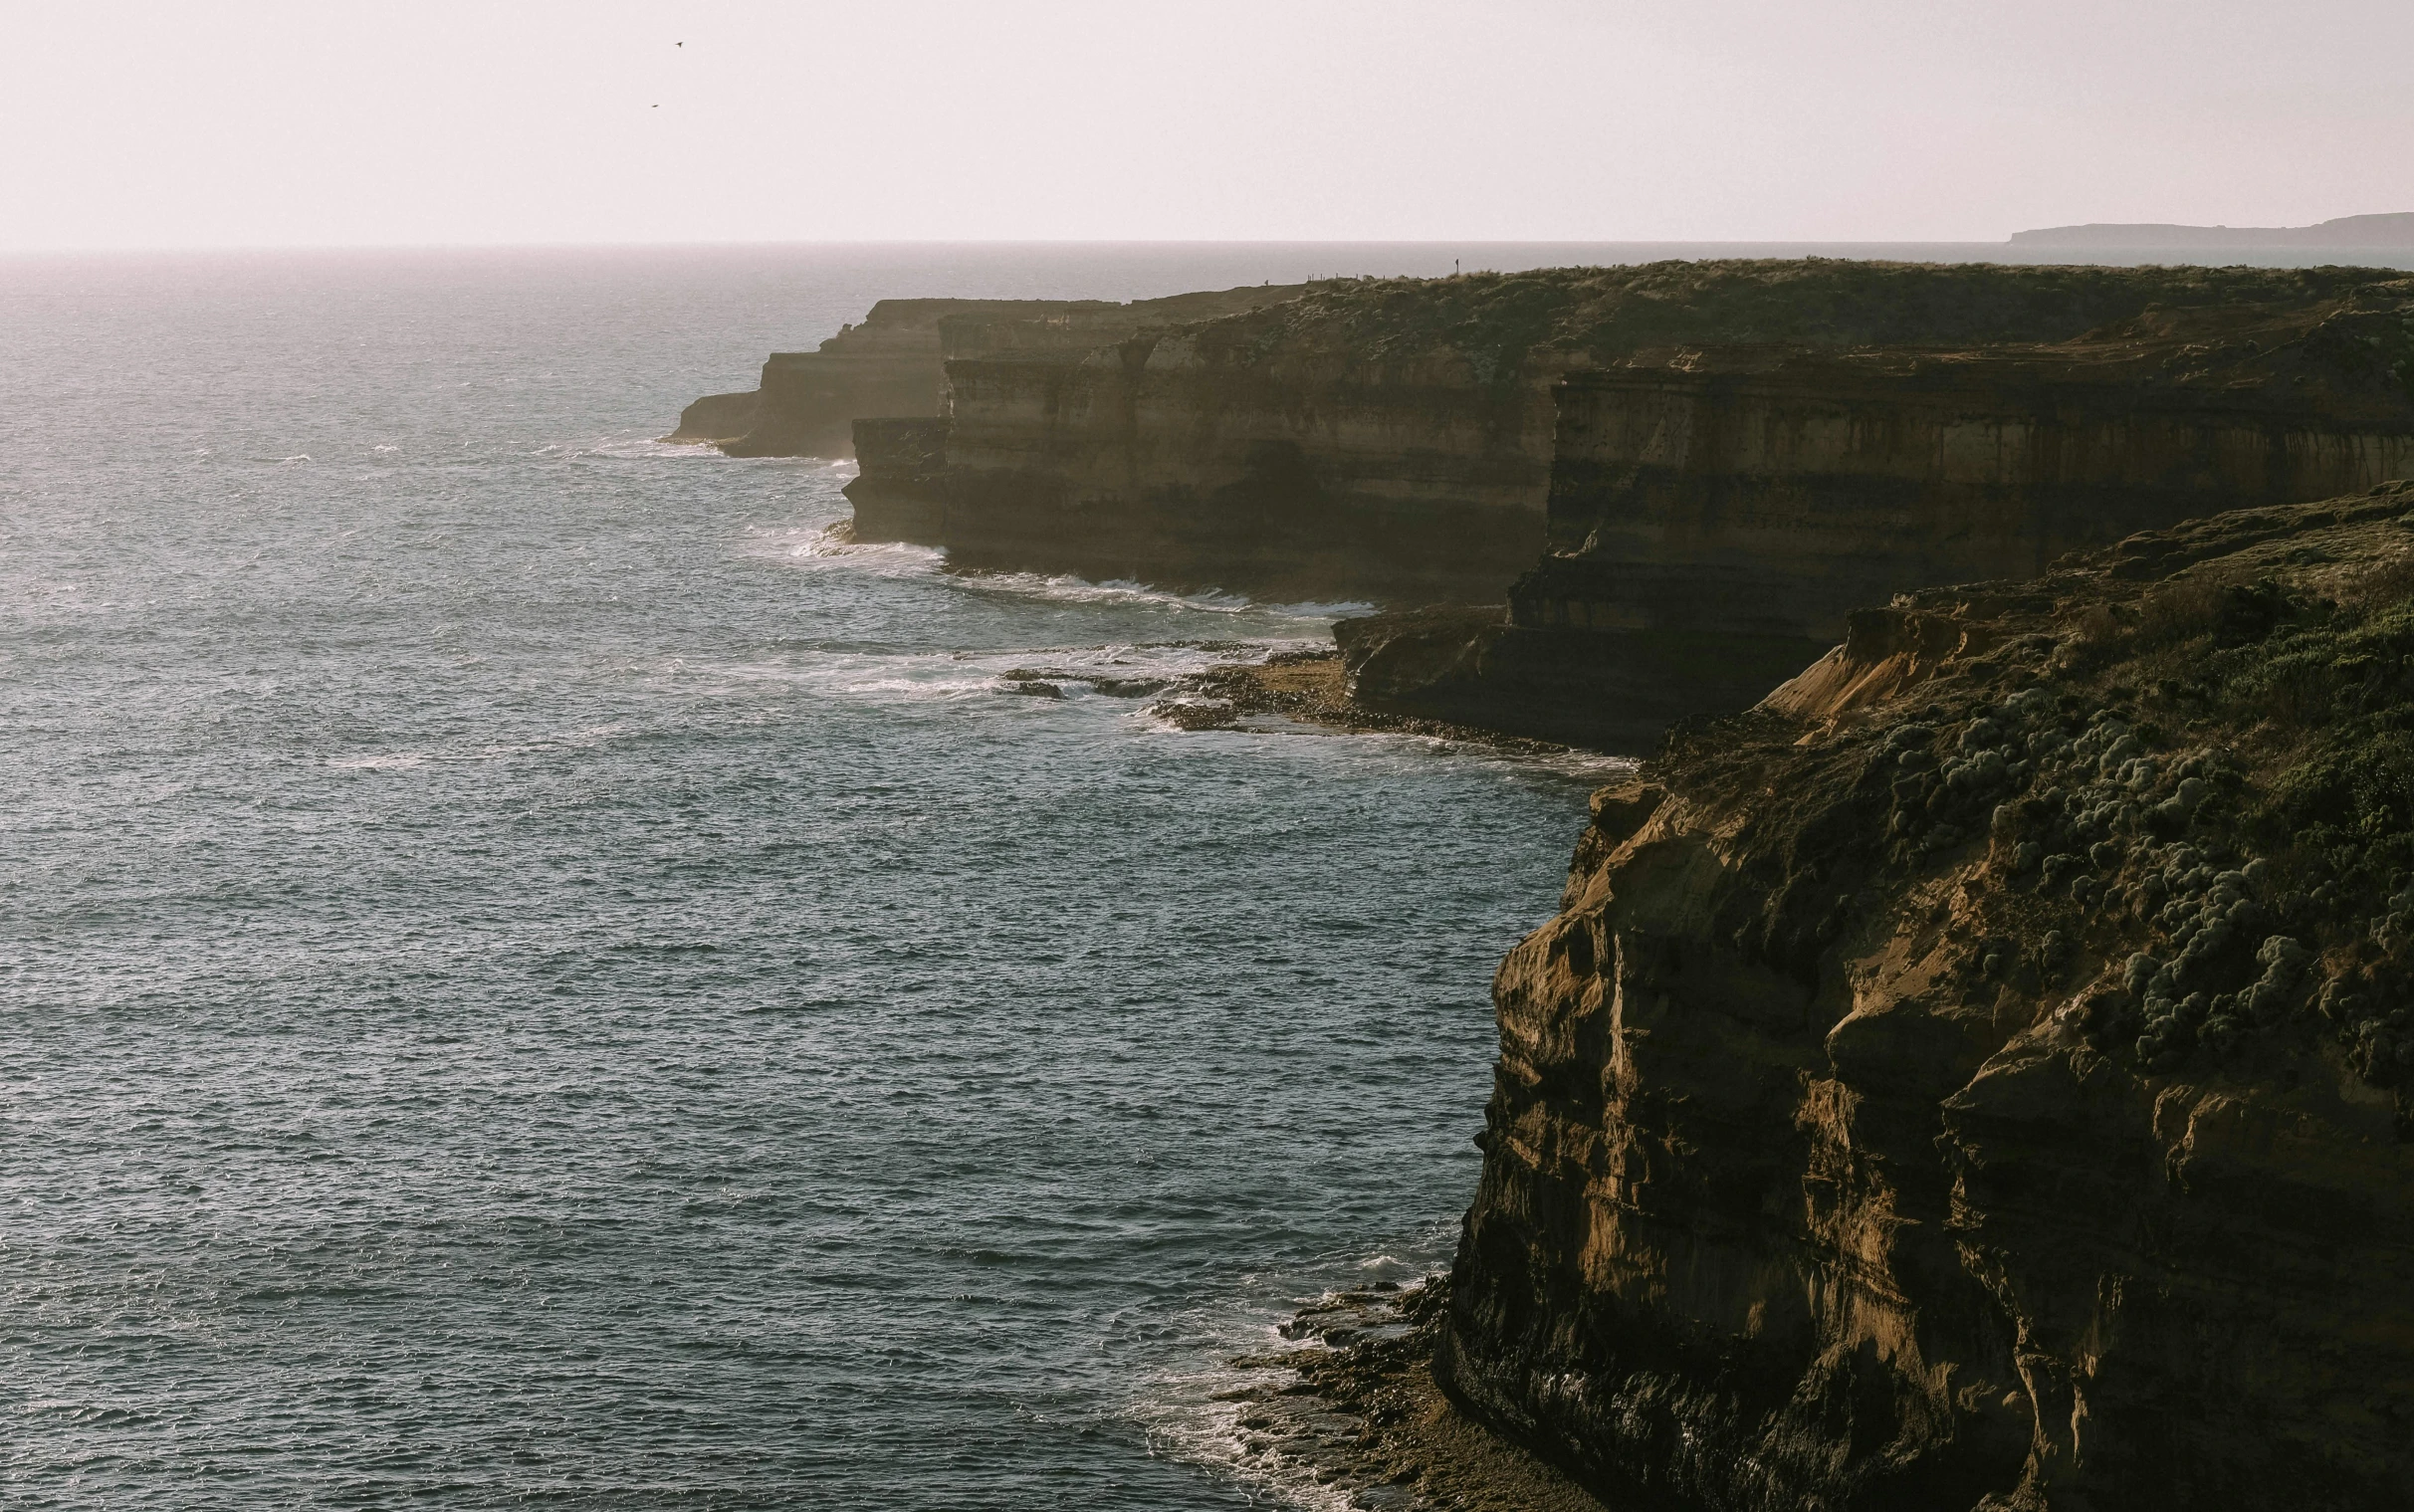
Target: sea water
(533,973)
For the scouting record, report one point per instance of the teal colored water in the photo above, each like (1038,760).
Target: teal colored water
(532,975)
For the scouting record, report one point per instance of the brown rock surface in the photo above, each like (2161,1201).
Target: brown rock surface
(1714,512)
(1979,1077)
(1308,688)
(893,364)
(1745,451)
(1360,1416)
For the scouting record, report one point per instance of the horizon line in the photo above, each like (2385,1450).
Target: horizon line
(149,248)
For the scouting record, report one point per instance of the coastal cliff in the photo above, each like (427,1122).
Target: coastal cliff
(893,364)
(1980,1076)
(1192,458)
(1410,441)
(1713,515)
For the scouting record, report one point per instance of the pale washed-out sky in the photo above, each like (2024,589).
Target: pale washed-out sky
(248,123)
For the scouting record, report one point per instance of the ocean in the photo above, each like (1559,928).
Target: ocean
(535,972)
(535,975)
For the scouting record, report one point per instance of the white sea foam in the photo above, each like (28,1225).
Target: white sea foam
(831,545)
(1352,745)
(1193,1411)
(1081,590)
(1080,674)
(640,448)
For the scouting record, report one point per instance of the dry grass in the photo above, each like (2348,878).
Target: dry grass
(2383,582)
(2181,610)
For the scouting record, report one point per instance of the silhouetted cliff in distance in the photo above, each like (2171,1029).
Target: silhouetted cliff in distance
(2374,230)
(892,365)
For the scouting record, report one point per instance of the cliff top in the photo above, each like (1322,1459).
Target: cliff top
(2348,362)
(1599,316)
(2163,796)
(1174,308)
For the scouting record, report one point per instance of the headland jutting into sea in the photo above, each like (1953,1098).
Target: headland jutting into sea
(1973,1067)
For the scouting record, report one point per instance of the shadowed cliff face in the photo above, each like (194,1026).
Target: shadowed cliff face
(1187,462)
(1751,491)
(1395,441)
(1979,1076)
(1715,511)
(893,364)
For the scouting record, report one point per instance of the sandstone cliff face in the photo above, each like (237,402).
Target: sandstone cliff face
(1771,494)
(1393,440)
(1979,1077)
(893,364)
(1726,507)
(1188,459)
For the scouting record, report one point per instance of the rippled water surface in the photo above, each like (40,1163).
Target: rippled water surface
(530,974)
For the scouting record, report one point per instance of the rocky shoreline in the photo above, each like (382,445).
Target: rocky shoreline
(1976,1075)
(1978,1079)
(1311,688)
(1362,1417)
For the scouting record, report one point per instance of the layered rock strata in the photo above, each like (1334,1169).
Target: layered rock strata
(1174,459)
(1724,509)
(1981,1076)
(1393,440)
(893,364)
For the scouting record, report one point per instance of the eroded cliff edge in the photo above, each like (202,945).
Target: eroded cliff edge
(1678,477)
(1978,1077)
(893,364)
(1716,512)
(1392,439)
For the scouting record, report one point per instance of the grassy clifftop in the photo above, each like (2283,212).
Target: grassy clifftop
(1502,321)
(2185,771)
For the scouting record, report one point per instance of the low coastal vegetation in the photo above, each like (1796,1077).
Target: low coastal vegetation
(1513,323)
(2218,772)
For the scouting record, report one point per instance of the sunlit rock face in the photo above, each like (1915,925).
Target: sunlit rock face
(1979,1076)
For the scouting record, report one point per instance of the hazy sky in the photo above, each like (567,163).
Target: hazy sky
(352,122)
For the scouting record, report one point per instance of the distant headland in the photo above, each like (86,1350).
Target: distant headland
(2346,231)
